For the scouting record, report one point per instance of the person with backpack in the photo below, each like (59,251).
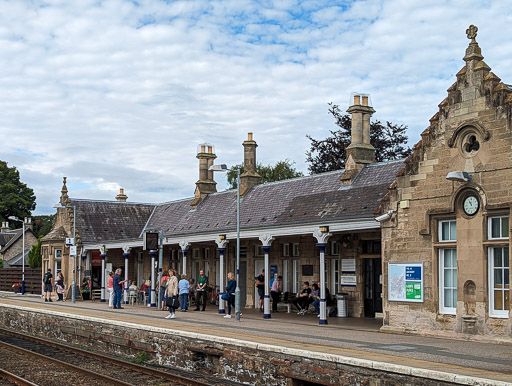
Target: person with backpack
(163,287)
(48,288)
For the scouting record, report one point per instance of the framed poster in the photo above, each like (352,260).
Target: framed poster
(348,265)
(405,282)
(307,270)
(348,281)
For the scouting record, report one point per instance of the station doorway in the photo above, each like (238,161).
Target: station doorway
(372,274)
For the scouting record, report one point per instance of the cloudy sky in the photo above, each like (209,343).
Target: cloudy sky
(119,93)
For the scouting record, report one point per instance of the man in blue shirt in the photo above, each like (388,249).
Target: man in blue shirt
(118,289)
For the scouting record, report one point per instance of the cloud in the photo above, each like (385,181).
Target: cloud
(119,93)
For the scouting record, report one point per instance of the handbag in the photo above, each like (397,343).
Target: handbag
(225,296)
(175,302)
(169,302)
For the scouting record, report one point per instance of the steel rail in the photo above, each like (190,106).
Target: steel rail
(176,378)
(68,365)
(15,379)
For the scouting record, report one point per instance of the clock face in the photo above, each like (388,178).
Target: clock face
(470,205)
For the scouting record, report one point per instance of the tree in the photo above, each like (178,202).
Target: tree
(42,224)
(16,198)
(389,141)
(283,170)
(34,255)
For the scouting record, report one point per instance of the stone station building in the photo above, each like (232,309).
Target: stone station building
(436,259)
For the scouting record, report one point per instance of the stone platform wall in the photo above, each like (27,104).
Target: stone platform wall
(226,358)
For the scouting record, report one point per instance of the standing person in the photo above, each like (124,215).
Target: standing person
(163,286)
(230,290)
(47,280)
(118,289)
(183,287)
(260,284)
(202,283)
(192,291)
(171,292)
(275,292)
(110,289)
(60,287)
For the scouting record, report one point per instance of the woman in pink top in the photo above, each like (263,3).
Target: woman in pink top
(110,289)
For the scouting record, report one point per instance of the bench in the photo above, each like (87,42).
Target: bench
(288,298)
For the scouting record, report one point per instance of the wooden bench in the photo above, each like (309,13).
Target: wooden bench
(288,298)
(96,294)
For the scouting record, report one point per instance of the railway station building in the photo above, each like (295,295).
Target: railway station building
(422,242)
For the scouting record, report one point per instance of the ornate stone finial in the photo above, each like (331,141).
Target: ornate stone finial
(471,32)
(266,240)
(184,245)
(64,192)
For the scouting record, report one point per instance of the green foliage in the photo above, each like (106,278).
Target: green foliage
(282,170)
(1,263)
(16,199)
(329,154)
(42,224)
(34,255)
(141,357)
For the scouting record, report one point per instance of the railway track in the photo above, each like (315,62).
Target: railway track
(94,367)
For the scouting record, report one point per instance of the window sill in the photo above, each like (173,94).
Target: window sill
(445,312)
(499,316)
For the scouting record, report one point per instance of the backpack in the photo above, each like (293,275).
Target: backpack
(47,278)
(164,284)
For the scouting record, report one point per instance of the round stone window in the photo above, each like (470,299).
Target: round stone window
(470,144)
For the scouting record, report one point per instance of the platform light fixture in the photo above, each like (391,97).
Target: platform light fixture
(224,168)
(14,218)
(459,176)
(222,237)
(324,229)
(72,247)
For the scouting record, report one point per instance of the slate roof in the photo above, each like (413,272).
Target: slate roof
(5,237)
(110,220)
(301,200)
(18,235)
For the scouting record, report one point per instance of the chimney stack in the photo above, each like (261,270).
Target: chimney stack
(5,227)
(121,197)
(205,184)
(249,177)
(28,223)
(360,152)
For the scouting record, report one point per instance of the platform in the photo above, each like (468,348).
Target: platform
(356,340)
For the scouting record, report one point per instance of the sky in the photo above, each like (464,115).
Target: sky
(119,94)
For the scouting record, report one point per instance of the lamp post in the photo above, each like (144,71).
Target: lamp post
(73,244)
(224,168)
(14,218)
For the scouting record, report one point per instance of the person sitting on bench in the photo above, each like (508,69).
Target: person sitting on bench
(302,301)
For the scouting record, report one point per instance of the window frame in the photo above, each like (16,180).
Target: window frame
(286,250)
(503,314)
(440,231)
(442,308)
(489,227)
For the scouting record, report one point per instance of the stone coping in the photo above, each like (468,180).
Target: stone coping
(335,358)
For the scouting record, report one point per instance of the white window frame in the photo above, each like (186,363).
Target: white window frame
(286,250)
(442,308)
(295,276)
(492,312)
(335,248)
(195,253)
(58,253)
(335,275)
(206,253)
(440,231)
(295,250)
(286,275)
(489,228)
(258,251)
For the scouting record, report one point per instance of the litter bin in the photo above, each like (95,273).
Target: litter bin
(342,304)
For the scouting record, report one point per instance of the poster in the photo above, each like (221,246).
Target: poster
(348,265)
(348,281)
(405,282)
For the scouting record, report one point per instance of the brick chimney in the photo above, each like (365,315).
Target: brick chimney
(121,197)
(249,177)
(205,184)
(360,152)
(4,227)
